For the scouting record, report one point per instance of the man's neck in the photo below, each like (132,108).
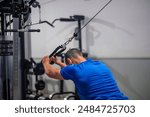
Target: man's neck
(80,60)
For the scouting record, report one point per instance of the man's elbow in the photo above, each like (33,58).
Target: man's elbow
(51,75)
(55,76)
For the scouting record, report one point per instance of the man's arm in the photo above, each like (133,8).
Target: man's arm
(50,70)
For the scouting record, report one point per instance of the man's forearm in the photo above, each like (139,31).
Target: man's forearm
(61,64)
(48,68)
(52,72)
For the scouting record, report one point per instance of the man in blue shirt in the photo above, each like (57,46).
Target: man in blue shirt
(93,80)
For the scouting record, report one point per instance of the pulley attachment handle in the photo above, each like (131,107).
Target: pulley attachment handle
(57,52)
(39,68)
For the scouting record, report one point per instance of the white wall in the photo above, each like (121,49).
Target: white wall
(121,30)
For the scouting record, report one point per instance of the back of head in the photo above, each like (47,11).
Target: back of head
(72,53)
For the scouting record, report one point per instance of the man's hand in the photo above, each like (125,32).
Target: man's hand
(55,60)
(46,60)
(58,62)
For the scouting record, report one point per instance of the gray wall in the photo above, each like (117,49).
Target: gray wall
(132,76)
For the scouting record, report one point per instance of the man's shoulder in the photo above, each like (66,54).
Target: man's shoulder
(68,67)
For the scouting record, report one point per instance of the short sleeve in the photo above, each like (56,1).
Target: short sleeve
(67,72)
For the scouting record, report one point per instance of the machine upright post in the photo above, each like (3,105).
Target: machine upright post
(79,35)
(16,62)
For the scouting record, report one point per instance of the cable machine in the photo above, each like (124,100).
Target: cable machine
(13,14)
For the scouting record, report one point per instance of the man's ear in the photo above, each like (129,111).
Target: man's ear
(69,61)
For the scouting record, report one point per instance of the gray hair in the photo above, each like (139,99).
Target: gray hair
(72,53)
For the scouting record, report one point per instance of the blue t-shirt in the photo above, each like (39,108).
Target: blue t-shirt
(93,81)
